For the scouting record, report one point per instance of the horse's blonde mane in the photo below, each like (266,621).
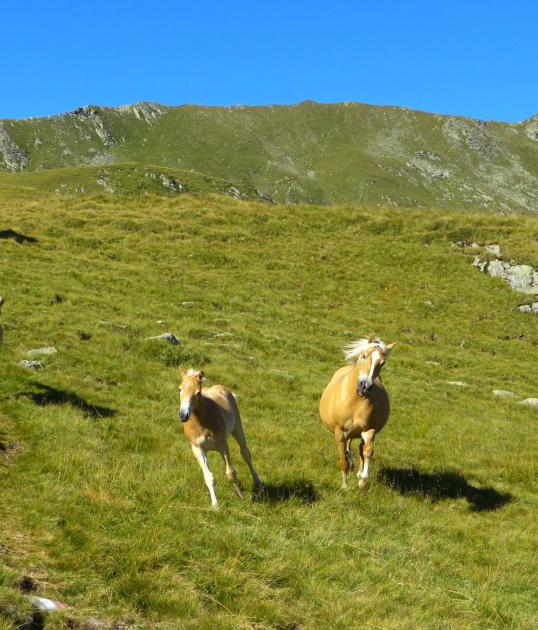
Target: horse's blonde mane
(193,372)
(353,349)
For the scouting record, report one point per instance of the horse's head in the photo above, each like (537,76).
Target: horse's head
(190,391)
(369,356)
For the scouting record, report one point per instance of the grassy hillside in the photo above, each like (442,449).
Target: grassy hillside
(123,179)
(103,506)
(311,152)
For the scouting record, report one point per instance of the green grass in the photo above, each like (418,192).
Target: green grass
(121,179)
(102,501)
(306,153)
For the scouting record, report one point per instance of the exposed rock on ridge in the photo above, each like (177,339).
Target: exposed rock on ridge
(14,157)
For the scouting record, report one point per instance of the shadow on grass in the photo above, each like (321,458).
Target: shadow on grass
(48,395)
(443,485)
(16,236)
(301,490)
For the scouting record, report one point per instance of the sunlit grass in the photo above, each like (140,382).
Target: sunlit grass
(102,500)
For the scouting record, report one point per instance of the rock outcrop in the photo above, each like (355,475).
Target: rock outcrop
(14,157)
(522,278)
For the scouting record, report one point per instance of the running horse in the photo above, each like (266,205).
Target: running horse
(210,415)
(355,404)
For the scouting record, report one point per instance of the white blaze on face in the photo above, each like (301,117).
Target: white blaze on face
(375,358)
(185,405)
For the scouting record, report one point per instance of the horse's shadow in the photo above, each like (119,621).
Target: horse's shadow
(47,395)
(300,490)
(443,485)
(17,236)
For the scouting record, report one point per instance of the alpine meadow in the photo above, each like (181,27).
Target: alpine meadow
(104,247)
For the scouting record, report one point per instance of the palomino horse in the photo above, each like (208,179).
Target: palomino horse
(355,403)
(210,415)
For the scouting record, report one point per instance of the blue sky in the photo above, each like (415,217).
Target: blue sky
(477,58)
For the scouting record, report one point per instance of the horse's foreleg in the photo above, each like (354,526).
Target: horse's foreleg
(367,451)
(342,457)
(361,457)
(201,458)
(230,470)
(239,435)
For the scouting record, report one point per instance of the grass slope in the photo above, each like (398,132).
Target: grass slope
(103,505)
(123,179)
(311,152)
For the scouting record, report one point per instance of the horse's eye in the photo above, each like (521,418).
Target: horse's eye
(363,356)
(179,389)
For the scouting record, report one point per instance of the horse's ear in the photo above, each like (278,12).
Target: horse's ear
(390,346)
(201,375)
(371,338)
(183,371)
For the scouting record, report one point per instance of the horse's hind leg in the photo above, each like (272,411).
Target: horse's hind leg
(366,451)
(230,470)
(349,456)
(239,435)
(201,458)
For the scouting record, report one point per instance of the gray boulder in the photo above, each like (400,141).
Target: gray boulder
(529,308)
(31,365)
(503,393)
(530,402)
(42,351)
(170,337)
(494,249)
(522,278)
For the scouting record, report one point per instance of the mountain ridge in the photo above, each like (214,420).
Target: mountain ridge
(310,152)
(127,106)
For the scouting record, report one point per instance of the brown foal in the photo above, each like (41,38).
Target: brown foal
(209,416)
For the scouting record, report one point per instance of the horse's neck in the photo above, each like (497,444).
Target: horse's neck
(201,413)
(349,382)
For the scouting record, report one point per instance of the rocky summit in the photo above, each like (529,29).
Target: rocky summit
(310,152)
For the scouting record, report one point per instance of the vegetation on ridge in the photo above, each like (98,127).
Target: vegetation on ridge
(311,152)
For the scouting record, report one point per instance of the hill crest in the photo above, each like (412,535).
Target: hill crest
(310,152)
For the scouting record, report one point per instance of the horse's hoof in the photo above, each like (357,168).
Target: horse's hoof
(363,483)
(215,507)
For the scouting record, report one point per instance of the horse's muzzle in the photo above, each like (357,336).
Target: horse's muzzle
(184,415)
(364,386)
